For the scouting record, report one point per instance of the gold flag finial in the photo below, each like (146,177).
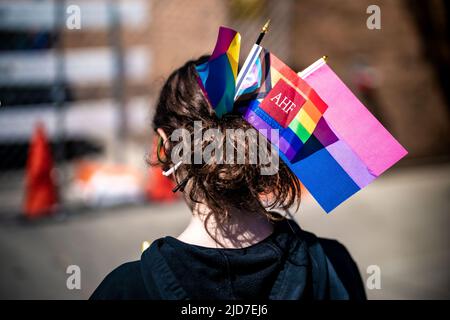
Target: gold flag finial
(325,58)
(265,28)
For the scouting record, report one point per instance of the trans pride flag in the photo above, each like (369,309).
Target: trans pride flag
(328,138)
(217,76)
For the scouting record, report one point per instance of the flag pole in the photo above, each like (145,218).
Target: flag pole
(252,56)
(316,65)
(264,30)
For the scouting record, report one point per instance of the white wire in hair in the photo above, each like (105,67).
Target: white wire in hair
(173,169)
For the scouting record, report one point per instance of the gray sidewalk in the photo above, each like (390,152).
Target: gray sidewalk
(399,223)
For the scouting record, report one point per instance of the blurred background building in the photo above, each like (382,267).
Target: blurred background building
(93,88)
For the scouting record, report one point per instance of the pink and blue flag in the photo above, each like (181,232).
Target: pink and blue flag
(349,147)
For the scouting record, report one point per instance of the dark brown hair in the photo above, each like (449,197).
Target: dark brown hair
(218,186)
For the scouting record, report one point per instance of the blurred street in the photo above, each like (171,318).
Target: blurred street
(399,223)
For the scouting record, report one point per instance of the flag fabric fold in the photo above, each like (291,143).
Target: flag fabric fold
(217,76)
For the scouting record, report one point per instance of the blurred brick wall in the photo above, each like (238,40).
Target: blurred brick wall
(182,30)
(410,98)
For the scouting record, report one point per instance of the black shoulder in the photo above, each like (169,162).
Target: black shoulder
(345,267)
(124,282)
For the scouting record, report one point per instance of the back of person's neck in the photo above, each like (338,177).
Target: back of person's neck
(241,230)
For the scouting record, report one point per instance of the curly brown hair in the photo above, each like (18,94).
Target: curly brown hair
(219,186)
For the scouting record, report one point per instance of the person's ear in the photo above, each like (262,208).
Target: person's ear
(162,134)
(162,139)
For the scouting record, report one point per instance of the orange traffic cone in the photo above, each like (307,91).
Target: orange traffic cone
(40,188)
(159,187)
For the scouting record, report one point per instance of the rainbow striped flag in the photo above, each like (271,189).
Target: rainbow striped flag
(217,76)
(272,96)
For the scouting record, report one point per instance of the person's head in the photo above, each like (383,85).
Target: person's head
(219,186)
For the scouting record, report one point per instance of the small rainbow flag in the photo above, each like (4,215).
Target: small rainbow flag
(272,96)
(217,76)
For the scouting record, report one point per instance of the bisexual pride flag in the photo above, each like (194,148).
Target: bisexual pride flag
(327,137)
(349,147)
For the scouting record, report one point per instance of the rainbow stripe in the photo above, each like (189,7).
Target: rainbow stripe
(217,76)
